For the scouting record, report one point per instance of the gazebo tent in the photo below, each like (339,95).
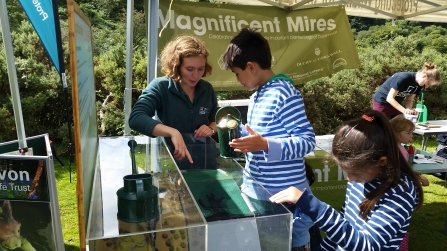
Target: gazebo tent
(412,10)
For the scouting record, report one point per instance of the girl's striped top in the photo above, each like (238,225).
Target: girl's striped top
(276,112)
(384,227)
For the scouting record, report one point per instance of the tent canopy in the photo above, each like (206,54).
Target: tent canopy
(412,10)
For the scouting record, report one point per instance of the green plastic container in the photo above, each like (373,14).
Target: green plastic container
(422,118)
(138,199)
(228,119)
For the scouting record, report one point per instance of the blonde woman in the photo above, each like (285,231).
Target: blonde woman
(184,103)
(404,86)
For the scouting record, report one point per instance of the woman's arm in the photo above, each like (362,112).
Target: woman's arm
(181,151)
(392,101)
(409,101)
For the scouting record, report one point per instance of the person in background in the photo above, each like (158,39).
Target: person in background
(278,134)
(184,103)
(442,141)
(404,85)
(403,130)
(382,192)
(441,151)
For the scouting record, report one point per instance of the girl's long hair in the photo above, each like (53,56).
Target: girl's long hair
(360,143)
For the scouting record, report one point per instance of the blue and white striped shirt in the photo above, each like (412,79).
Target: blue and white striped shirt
(276,112)
(384,227)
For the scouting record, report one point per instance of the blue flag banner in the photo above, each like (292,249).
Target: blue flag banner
(44,17)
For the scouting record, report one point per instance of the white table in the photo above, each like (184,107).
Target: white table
(324,142)
(429,168)
(431,131)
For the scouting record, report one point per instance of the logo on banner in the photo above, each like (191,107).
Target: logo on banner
(40,10)
(338,62)
(23,179)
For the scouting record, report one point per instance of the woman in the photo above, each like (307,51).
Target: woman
(404,85)
(185,104)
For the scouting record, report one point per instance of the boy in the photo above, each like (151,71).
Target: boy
(278,133)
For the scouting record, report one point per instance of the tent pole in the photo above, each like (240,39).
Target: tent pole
(13,83)
(152,40)
(129,58)
(152,48)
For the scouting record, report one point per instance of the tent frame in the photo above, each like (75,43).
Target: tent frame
(425,11)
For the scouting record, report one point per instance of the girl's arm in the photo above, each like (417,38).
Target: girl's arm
(382,225)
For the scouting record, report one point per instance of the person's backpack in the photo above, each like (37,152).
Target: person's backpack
(442,139)
(442,152)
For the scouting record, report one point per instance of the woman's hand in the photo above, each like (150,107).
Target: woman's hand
(411,111)
(180,149)
(203,131)
(290,195)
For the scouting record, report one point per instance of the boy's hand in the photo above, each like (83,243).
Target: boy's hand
(290,195)
(252,143)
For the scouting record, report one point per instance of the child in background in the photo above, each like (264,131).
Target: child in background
(278,134)
(403,130)
(382,192)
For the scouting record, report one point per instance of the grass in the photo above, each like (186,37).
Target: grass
(427,228)
(68,204)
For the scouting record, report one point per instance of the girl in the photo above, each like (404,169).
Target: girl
(404,85)
(403,130)
(381,195)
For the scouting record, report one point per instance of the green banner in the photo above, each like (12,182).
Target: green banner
(330,181)
(306,44)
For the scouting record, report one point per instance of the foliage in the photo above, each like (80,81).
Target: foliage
(38,84)
(346,94)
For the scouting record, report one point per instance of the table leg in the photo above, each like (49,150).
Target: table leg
(424,142)
(445,224)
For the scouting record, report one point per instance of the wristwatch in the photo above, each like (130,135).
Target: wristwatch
(212,130)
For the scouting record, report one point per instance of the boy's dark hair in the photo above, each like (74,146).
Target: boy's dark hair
(248,46)
(360,144)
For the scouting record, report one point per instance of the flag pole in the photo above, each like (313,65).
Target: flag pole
(63,81)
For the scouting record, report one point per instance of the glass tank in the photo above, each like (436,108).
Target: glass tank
(143,199)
